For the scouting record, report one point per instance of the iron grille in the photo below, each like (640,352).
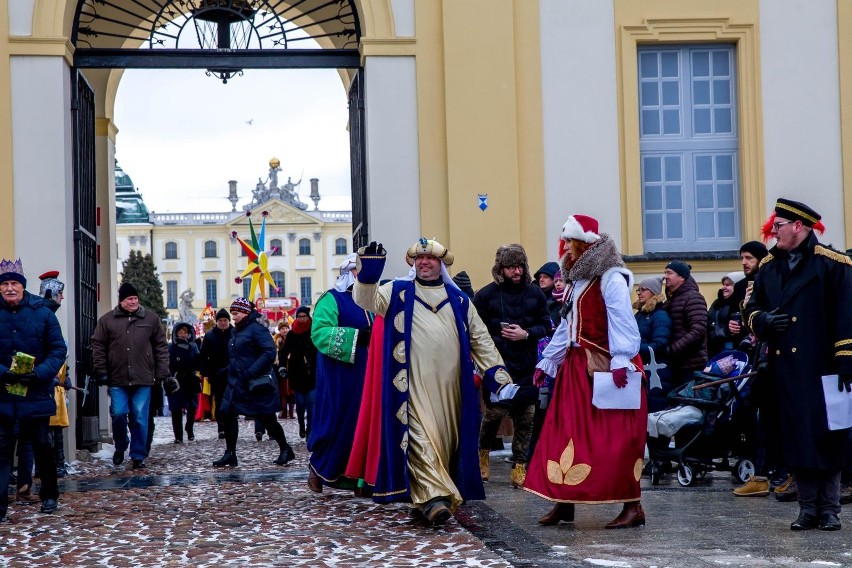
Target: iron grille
(360,233)
(85,255)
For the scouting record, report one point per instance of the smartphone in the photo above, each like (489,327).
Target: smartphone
(504,325)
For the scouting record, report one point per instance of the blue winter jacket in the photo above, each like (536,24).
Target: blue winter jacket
(31,328)
(655,329)
(252,351)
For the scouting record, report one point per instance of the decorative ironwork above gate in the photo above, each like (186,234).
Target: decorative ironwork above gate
(258,24)
(220,35)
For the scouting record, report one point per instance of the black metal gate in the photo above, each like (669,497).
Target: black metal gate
(360,228)
(85,257)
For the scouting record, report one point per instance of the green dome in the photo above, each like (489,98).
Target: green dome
(129,206)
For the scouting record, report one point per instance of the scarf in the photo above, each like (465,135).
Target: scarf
(300,326)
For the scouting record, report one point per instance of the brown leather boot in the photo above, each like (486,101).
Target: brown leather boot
(632,515)
(561,512)
(314,483)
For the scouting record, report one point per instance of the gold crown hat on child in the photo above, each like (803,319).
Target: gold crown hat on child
(429,246)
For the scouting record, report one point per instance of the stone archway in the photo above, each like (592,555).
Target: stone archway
(53,21)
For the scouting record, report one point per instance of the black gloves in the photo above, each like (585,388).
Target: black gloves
(363,336)
(373,249)
(25,378)
(9,378)
(101,380)
(776,323)
(526,395)
(844,382)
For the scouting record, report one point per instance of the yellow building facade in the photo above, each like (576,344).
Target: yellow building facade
(198,255)
(536,108)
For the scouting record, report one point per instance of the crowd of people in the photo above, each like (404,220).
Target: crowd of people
(401,386)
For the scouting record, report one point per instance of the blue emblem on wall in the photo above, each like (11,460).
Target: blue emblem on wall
(483,201)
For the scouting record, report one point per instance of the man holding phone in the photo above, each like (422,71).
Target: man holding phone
(515,312)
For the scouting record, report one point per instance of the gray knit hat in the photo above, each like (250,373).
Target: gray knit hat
(655,285)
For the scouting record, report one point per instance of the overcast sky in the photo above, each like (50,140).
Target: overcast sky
(183,135)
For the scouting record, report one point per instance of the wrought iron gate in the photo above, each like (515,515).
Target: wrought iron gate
(85,257)
(360,229)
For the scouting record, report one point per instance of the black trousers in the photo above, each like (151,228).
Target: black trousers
(37,431)
(818,491)
(269,422)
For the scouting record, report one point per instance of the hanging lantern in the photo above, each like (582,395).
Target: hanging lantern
(224,24)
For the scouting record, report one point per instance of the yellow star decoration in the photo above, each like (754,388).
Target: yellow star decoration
(564,472)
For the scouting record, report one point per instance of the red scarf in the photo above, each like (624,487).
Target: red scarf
(300,326)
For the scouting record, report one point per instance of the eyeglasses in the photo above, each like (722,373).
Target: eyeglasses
(778,224)
(640,289)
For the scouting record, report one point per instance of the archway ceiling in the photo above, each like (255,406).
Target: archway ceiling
(162,34)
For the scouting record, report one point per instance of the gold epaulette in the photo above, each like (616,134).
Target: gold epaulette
(766,259)
(832,254)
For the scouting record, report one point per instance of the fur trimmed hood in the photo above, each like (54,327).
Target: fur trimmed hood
(597,259)
(651,304)
(510,255)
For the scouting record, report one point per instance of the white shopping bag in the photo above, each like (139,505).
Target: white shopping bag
(838,404)
(607,396)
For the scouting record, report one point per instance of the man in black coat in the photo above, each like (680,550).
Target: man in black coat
(515,312)
(214,362)
(802,305)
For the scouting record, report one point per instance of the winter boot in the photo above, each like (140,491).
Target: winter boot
(787,491)
(228,459)
(484,463)
(518,475)
(632,515)
(756,486)
(285,456)
(561,512)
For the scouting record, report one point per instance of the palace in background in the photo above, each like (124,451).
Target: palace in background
(197,251)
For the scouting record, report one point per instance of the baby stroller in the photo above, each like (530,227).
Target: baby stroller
(703,420)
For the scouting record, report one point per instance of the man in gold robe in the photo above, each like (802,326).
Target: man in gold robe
(430,404)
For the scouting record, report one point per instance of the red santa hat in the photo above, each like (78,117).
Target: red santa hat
(578,227)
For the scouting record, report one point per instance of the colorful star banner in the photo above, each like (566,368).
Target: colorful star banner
(258,260)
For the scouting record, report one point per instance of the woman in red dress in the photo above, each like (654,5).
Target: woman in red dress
(585,454)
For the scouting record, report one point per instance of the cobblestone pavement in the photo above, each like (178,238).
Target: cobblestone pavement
(181,511)
(193,515)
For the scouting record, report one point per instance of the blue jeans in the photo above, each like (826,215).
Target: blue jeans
(135,402)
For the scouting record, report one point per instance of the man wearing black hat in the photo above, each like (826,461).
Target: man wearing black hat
(215,360)
(688,309)
(544,277)
(802,306)
(130,353)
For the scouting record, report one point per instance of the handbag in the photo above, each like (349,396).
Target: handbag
(61,416)
(262,384)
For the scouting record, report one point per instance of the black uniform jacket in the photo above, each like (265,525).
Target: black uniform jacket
(817,295)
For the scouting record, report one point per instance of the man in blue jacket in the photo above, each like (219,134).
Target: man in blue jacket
(28,327)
